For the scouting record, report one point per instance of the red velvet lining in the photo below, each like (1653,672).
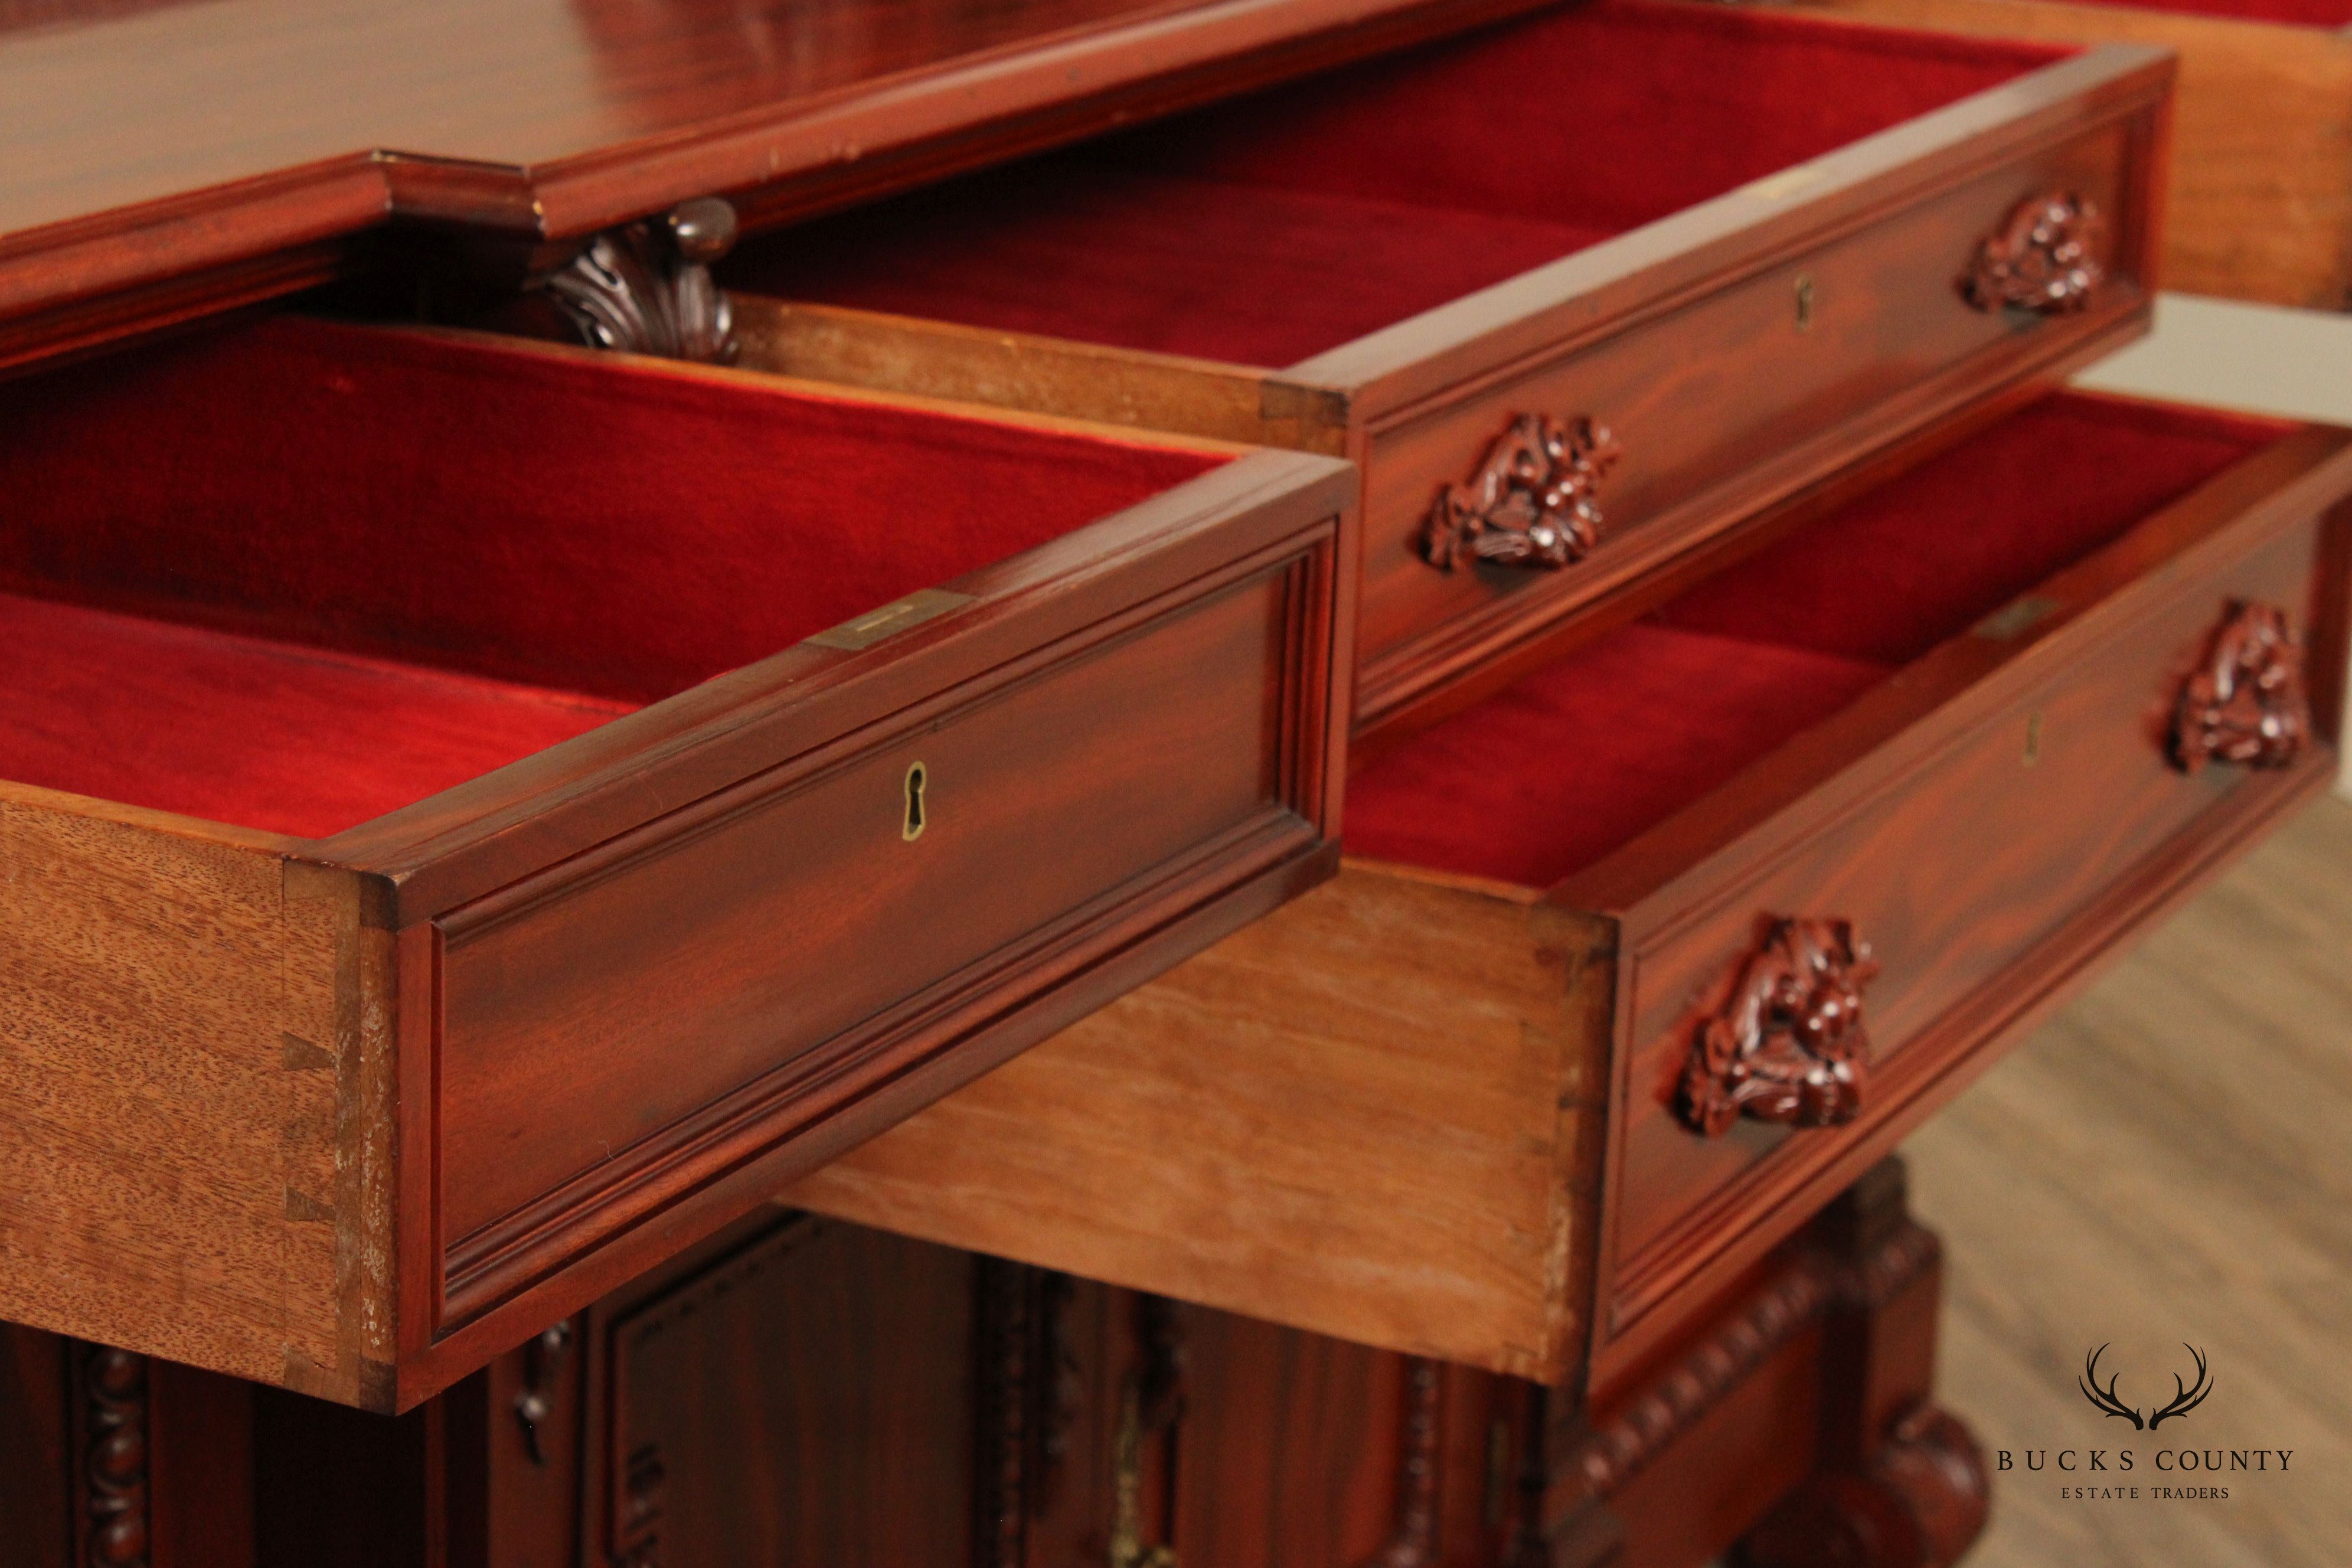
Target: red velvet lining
(264,735)
(1564,766)
(1924,556)
(533,519)
(1265,230)
(2297,13)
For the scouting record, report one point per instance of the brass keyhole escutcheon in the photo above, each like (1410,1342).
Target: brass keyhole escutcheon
(919,811)
(1805,301)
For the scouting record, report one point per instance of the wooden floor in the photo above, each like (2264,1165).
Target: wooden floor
(2169,1161)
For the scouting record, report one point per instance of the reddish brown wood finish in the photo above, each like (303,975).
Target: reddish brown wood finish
(1684,338)
(173,160)
(1797,1414)
(552,1025)
(1446,1058)
(1740,352)
(2024,752)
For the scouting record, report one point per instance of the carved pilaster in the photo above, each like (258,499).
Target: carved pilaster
(1027,1395)
(1612,1453)
(1414,1545)
(111,1457)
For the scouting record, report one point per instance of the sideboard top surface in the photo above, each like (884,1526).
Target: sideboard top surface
(164,159)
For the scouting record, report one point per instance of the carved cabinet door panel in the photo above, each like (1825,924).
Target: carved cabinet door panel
(804,1397)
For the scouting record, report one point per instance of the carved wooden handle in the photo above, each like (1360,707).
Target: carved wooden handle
(1533,503)
(2041,259)
(2245,700)
(1786,1042)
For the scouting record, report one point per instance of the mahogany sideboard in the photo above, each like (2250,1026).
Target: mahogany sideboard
(686,700)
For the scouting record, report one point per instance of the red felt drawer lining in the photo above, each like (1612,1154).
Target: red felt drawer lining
(1264,231)
(442,508)
(1564,766)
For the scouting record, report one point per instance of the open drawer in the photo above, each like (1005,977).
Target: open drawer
(2258,201)
(480,817)
(1636,963)
(1580,293)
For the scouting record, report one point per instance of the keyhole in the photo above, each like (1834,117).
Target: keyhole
(1805,301)
(918,818)
(2033,739)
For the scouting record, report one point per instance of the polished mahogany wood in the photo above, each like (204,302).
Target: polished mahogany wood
(2258,199)
(1439,1114)
(472,1063)
(794,1390)
(1795,1421)
(171,159)
(1740,352)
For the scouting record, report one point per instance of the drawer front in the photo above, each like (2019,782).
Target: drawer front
(797,959)
(1982,875)
(1727,394)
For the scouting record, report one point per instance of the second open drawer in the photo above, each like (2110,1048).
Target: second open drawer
(1637,963)
(1578,292)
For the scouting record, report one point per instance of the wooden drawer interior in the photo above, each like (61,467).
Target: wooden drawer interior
(613,766)
(1269,231)
(1393,1112)
(296,576)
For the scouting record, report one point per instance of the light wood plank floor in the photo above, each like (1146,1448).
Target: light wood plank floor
(2170,1159)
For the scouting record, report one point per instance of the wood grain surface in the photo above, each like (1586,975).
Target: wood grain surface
(185,1075)
(176,157)
(1363,1115)
(2260,198)
(2165,1162)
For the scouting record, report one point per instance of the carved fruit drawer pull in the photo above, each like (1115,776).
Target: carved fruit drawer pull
(1786,1042)
(2042,260)
(2245,701)
(1534,502)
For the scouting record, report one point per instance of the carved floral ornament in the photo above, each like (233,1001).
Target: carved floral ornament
(2042,259)
(2243,701)
(1786,1042)
(645,288)
(1533,503)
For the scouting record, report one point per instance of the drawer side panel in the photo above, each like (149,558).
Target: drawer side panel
(178,1052)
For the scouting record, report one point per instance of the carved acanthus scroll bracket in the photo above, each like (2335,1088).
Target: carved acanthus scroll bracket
(2245,701)
(2042,259)
(645,288)
(1786,1043)
(1534,502)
